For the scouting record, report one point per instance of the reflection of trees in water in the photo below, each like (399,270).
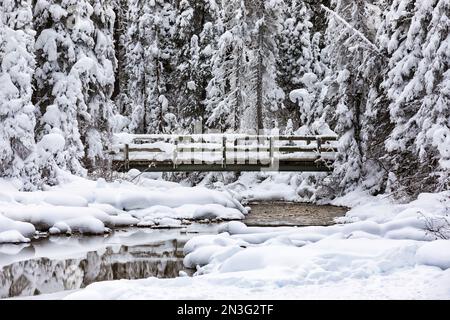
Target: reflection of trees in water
(162,259)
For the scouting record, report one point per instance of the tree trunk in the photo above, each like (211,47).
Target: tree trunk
(259,84)
(238,105)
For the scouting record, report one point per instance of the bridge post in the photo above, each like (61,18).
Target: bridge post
(175,153)
(271,150)
(235,150)
(319,145)
(127,156)
(192,150)
(224,151)
(203,142)
(258,140)
(246,151)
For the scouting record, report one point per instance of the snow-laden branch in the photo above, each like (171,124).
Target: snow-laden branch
(349,26)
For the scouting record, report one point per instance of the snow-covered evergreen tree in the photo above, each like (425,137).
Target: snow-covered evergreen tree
(149,56)
(229,87)
(134,91)
(295,54)
(197,28)
(373,71)
(416,37)
(266,26)
(120,37)
(353,58)
(99,83)
(75,77)
(17,120)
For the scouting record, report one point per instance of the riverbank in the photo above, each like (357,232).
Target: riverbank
(56,265)
(65,263)
(81,206)
(381,250)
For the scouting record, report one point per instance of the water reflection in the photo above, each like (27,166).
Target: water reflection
(66,263)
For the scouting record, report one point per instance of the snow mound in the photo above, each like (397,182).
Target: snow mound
(12,236)
(85,206)
(435,253)
(24,228)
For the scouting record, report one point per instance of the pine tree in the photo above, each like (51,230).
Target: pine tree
(120,38)
(149,54)
(354,58)
(134,69)
(266,27)
(296,57)
(75,78)
(228,89)
(17,120)
(197,25)
(416,35)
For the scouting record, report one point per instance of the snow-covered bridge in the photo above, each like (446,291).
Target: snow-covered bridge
(222,152)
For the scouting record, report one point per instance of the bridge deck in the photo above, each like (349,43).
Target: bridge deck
(188,153)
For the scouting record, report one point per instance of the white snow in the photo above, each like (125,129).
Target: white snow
(435,253)
(84,206)
(25,229)
(12,236)
(383,251)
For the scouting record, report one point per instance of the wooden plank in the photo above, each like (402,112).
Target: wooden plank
(291,149)
(217,137)
(135,149)
(198,149)
(297,166)
(249,148)
(307,138)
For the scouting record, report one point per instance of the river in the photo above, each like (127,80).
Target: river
(59,263)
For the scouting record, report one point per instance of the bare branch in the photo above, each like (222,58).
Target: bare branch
(353,29)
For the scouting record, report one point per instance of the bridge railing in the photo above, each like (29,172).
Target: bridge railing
(225,150)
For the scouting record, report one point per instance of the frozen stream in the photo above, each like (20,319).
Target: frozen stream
(60,263)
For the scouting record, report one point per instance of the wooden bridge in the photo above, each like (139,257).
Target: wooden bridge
(224,152)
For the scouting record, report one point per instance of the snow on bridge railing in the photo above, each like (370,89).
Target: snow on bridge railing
(230,152)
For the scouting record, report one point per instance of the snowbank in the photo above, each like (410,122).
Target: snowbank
(273,285)
(382,251)
(94,207)
(436,253)
(12,236)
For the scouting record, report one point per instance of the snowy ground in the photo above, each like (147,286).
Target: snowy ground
(93,207)
(380,251)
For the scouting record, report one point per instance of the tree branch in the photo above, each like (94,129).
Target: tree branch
(353,29)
